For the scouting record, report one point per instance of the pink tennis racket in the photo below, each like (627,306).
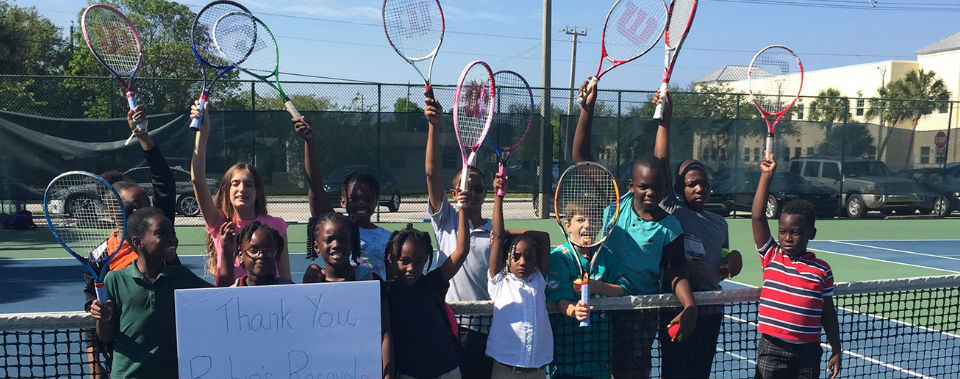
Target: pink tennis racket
(472,113)
(775,78)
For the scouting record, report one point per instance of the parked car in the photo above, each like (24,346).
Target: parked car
(864,185)
(186,201)
(786,186)
(941,182)
(389,191)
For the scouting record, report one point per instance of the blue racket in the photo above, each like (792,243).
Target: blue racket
(512,118)
(205,49)
(83,211)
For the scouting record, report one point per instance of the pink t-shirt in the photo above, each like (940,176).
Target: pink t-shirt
(271,221)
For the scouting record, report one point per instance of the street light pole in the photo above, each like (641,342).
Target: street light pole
(575,32)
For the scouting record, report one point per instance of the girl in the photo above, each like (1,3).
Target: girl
(240,201)
(426,347)
(360,197)
(520,342)
(257,246)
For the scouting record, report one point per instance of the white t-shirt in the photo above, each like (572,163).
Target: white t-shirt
(470,283)
(520,333)
(373,242)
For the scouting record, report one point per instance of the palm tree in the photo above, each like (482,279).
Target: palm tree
(915,95)
(829,106)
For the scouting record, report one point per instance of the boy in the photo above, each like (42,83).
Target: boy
(797,294)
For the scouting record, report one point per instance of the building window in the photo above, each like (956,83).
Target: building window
(746,154)
(796,152)
(800,111)
(860,105)
(756,154)
(810,151)
(925,155)
(723,154)
(941,158)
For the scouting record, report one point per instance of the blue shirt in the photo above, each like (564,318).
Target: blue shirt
(638,245)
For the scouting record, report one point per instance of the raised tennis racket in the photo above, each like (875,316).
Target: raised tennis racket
(246,42)
(631,29)
(512,118)
(415,30)
(83,211)
(472,113)
(775,78)
(679,19)
(201,39)
(587,204)
(114,43)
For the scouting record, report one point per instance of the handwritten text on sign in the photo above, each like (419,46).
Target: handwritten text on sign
(302,331)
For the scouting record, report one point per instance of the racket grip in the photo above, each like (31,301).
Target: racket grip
(464,175)
(658,113)
(195,123)
(428,90)
(769,151)
(503,174)
(131,100)
(593,82)
(585,298)
(101,291)
(292,109)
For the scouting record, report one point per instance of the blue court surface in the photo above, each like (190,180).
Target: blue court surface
(937,254)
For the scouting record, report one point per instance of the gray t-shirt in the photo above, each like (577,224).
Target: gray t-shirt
(705,234)
(470,283)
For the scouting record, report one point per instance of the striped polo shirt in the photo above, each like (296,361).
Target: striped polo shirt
(791,299)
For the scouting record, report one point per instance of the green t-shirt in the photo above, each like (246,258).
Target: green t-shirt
(146,338)
(638,246)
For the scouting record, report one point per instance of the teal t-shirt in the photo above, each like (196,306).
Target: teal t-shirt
(638,246)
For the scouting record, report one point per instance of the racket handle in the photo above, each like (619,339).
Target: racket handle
(101,291)
(131,100)
(428,90)
(464,175)
(585,298)
(503,174)
(195,123)
(593,83)
(292,109)
(769,151)
(658,113)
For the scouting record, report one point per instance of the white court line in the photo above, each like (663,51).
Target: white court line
(884,260)
(894,250)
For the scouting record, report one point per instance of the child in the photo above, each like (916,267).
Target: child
(257,246)
(793,278)
(240,200)
(520,342)
(139,314)
(706,244)
(647,244)
(580,352)
(425,345)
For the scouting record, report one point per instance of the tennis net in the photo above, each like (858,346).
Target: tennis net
(903,328)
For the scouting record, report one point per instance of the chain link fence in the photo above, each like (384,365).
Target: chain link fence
(833,151)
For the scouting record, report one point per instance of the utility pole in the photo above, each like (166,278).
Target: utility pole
(546,129)
(575,32)
(71,38)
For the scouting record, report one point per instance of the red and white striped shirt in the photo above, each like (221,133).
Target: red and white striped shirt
(791,299)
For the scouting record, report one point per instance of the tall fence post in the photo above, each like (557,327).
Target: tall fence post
(619,121)
(253,120)
(946,147)
(379,113)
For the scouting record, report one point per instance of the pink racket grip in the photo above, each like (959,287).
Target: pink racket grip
(503,174)
(101,291)
(658,113)
(585,298)
(195,123)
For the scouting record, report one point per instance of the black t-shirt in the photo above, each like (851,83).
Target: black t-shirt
(424,345)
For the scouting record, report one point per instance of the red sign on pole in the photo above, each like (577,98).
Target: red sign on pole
(940,140)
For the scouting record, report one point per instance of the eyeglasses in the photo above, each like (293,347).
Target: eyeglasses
(269,252)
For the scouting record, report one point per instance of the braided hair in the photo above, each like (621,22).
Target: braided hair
(402,236)
(510,246)
(312,230)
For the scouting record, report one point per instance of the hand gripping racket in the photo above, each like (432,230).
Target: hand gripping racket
(679,19)
(587,204)
(83,211)
(775,78)
(201,39)
(114,43)
(246,42)
(631,29)
(415,29)
(472,113)
(512,119)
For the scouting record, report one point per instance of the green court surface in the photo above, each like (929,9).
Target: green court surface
(39,243)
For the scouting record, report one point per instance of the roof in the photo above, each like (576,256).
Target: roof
(728,73)
(948,43)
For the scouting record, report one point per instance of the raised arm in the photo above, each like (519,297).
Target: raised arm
(497,233)
(431,164)
(581,137)
(661,149)
(455,261)
(761,228)
(319,202)
(198,168)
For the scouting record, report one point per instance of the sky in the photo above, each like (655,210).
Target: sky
(344,39)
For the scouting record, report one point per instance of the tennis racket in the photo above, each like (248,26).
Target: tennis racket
(201,39)
(587,201)
(472,113)
(414,29)
(114,43)
(246,42)
(775,78)
(83,211)
(631,29)
(513,117)
(679,19)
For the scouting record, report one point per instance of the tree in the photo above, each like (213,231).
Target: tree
(852,140)
(30,44)
(915,95)
(829,106)
(404,105)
